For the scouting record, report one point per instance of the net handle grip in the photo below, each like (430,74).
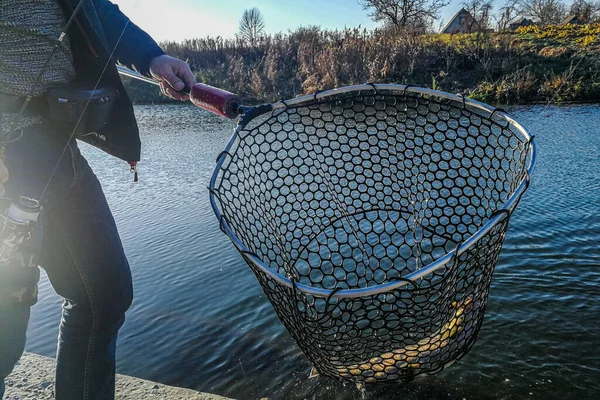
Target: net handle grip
(215,100)
(209,98)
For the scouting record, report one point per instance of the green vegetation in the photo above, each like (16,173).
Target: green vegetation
(532,64)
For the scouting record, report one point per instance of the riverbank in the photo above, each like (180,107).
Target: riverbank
(33,379)
(555,64)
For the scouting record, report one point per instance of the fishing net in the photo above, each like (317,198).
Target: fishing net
(373,218)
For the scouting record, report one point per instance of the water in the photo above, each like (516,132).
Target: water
(200,319)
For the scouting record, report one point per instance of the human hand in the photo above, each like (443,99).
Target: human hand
(3,178)
(173,74)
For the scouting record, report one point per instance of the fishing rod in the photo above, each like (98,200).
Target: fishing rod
(209,98)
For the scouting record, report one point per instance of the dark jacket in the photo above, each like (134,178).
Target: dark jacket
(99,31)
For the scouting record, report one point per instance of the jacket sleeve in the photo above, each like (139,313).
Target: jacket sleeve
(135,47)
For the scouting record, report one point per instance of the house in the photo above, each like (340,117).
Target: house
(462,22)
(572,19)
(520,22)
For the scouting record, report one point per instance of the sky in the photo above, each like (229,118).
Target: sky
(183,19)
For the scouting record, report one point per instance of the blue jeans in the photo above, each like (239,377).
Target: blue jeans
(83,256)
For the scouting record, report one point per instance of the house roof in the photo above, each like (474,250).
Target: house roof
(522,20)
(571,18)
(461,11)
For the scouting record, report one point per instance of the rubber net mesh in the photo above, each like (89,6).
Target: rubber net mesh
(361,189)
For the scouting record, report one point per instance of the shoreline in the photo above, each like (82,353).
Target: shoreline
(33,379)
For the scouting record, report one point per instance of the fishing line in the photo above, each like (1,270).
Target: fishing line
(562,84)
(38,78)
(571,73)
(508,276)
(585,54)
(89,99)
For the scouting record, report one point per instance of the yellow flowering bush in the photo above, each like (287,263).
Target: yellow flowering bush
(584,35)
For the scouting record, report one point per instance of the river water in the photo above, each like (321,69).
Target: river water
(200,319)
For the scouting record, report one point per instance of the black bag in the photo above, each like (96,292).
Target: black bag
(78,108)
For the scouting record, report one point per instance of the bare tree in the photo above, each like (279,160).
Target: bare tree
(544,11)
(585,10)
(508,14)
(404,14)
(252,25)
(481,11)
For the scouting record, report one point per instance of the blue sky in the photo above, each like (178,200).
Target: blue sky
(180,19)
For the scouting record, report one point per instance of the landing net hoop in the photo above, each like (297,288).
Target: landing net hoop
(373,216)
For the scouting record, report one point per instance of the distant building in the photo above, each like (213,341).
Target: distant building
(462,22)
(520,22)
(572,19)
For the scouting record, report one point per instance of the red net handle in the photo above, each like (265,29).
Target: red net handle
(218,101)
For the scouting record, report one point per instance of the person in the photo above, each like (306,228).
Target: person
(75,238)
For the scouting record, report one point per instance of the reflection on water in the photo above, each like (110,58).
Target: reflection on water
(200,319)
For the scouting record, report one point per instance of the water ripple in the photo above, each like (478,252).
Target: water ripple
(200,318)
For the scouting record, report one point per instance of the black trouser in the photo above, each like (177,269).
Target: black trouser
(83,256)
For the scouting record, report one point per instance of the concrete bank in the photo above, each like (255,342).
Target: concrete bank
(33,379)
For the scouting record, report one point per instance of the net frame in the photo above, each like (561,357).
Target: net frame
(495,226)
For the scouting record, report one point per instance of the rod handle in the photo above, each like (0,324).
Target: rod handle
(218,101)
(215,100)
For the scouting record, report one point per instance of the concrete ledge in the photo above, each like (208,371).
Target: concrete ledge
(33,379)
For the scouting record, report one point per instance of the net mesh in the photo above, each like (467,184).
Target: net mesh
(355,190)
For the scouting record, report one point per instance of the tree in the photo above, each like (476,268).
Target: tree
(404,14)
(544,11)
(252,25)
(480,10)
(508,14)
(585,10)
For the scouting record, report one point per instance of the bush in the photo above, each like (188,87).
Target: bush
(532,64)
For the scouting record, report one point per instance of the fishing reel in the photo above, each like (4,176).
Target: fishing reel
(16,225)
